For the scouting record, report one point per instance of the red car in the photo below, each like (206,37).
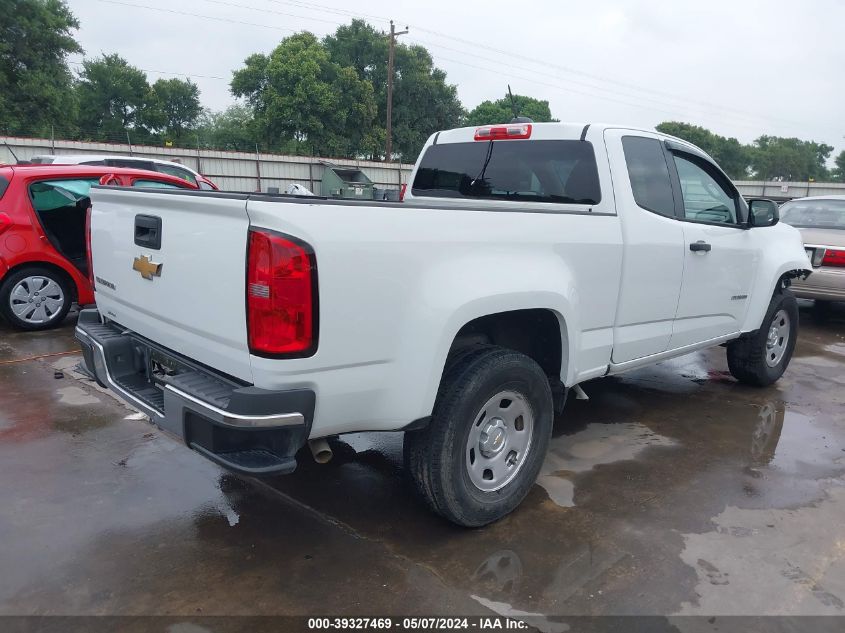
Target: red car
(43,256)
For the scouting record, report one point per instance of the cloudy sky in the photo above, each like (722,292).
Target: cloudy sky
(739,67)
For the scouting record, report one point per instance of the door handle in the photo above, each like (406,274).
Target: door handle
(700,245)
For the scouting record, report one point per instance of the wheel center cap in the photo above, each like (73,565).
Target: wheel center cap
(773,337)
(493,437)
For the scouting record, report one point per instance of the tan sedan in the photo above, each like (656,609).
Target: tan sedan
(821,221)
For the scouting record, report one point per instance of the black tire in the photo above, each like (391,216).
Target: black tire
(747,356)
(55,317)
(436,457)
(822,311)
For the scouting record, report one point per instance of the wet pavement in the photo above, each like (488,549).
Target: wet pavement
(673,490)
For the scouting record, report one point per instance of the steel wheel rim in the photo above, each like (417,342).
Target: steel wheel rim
(499,441)
(36,299)
(777,338)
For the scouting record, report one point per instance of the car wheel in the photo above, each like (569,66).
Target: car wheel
(761,358)
(35,298)
(490,429)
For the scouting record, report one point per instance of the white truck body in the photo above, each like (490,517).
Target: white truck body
(398,282)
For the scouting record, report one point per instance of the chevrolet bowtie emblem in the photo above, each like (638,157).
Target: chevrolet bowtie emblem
(146,267)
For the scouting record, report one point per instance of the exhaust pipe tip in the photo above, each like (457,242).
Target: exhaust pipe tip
(321,450)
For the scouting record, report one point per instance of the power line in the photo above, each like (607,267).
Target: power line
(196,15)
(313,6)
(165,72)
(720,108)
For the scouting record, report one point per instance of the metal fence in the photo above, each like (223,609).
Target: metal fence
(244,171)
(232,171)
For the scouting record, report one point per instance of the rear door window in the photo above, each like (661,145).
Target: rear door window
(649,174)
(179,172)
(527,171)
(157,184)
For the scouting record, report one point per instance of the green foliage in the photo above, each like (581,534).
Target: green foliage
(729,153)
(297,92)
(838,172)
(423,102)
(35,84)
(501,110)
(177,102)
(775,157)
(115,98)
(768,158)
(233,129)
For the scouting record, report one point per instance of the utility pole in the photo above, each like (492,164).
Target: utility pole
(388,151)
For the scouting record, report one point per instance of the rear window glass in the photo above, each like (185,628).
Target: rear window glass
(528,171)
(649,174)
(814,214)
(4,184)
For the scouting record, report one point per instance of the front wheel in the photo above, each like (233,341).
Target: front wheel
(761,358)
(487,439)
(35,298)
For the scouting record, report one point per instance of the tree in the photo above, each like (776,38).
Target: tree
(298,93)
(776,157)
(117,98)
(35,84)
(732,156)
(838,172)
(178,105)
(501,110)
(233,129)
(422,100)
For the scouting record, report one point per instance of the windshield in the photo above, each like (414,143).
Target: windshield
(814,214)
(532,171)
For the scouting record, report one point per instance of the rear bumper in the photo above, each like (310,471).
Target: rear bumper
(244,429)
(826,283)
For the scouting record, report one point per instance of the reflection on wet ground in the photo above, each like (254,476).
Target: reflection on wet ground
(673,490)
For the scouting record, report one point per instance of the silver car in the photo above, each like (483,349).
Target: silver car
(821,221)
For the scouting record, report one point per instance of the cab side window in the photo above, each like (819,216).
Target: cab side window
(706,197)
(649,174)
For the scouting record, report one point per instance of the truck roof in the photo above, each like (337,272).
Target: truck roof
(563,130)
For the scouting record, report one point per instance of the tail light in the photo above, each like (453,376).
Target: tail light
(5,222)
(497,132)
(402,191)
(834,257)
(88,256)
(281,295)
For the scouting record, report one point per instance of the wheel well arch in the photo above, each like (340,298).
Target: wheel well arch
(50,266)
(539,333)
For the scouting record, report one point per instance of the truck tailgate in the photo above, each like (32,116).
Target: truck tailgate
(187,293)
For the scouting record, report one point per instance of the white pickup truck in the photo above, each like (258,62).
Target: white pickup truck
(525,259)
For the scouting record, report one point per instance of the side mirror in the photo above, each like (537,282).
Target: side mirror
(762,212)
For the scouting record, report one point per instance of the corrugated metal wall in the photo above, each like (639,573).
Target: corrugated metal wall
(233,171)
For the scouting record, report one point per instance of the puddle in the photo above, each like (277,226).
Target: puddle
(535,620)
(76,396)
(583,451)
(752,555)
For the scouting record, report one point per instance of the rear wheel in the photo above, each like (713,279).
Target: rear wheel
(760,359)
(487,439)
(35,298)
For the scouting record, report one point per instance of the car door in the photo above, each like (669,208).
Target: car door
(653,251)
(720,257)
